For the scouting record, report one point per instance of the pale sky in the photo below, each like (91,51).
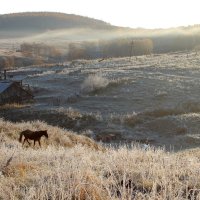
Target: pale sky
(130,13)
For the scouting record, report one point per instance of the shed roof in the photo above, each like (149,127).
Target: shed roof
(4,85)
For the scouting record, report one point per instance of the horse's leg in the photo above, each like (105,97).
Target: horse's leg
(39,142)
(24,141)
(28,142)
(34,142)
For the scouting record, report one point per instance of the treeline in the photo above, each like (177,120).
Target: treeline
(123,47)
(110,48)
(172,43)
(40,50)
(88,50)
(9,62)
(32,54)
(40,53)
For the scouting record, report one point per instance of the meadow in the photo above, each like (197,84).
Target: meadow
(71,166)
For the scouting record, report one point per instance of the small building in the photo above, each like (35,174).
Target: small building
(14,92)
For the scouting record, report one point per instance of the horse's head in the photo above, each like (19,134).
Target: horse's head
(45,133)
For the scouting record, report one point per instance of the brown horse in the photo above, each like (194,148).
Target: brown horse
(32,135)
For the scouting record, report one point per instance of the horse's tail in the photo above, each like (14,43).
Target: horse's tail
(20,137)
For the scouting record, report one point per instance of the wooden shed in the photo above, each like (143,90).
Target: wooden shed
(14,92)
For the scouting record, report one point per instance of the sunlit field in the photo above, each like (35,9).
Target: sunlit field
(69,166)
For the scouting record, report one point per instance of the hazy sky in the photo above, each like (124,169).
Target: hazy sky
(131,13)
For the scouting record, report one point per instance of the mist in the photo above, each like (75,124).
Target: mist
(76,37)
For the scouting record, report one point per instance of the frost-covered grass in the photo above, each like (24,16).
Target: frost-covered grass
(75,167)
(12,106)
(94,82)
(57,137)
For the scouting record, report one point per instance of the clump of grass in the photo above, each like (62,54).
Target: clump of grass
(94,83)
(12,106)
(129,119)
(70,112)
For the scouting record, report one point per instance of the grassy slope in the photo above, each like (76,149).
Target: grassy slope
(74,167)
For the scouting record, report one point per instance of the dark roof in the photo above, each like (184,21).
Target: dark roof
(4,85)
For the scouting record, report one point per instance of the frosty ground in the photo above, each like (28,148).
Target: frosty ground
(148,99)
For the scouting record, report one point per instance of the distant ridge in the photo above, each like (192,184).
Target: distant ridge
(41,21)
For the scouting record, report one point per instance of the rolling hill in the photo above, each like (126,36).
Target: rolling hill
(42,21)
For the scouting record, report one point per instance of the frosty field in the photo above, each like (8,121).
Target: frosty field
(121,102)
(148,99)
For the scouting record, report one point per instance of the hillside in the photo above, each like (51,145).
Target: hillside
(42,21)
(71,167)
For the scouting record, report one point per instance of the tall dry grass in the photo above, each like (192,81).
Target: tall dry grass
(73,168)
(57,136)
